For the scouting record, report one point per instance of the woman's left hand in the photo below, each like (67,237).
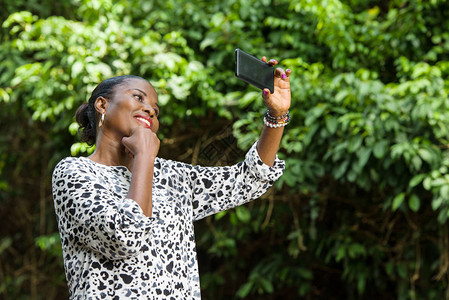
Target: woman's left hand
(279,102)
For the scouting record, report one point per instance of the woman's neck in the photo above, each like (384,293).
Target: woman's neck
(110,152)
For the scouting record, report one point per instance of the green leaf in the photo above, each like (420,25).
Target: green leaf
(397,201)
(314,114)
(341,253)
(354,143)
(364,155)
(305,273)
(331,124)
(380,148)
(361,283)
(5,243)
(416,162)
(389,268)
(414,202)
(341,169)
(220,215)
(444,191)
(77,68)
(402,270)
(267,285)
(436,203)
(417,179)
(426,155)
(244,290)
(243,214)
(443,216)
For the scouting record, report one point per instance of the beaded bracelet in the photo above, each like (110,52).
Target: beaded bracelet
(276,122)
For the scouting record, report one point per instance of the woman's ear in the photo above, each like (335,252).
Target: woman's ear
(101,105)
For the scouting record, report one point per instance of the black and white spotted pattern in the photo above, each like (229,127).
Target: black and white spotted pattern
(113,251)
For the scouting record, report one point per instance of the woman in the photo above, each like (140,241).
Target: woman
(126,216)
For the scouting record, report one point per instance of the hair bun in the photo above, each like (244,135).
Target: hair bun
(87,126)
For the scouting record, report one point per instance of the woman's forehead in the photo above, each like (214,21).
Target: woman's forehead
(137,82)
(140,84)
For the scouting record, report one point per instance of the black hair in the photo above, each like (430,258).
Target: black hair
(86,114)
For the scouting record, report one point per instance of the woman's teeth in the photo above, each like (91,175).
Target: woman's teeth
(144,121)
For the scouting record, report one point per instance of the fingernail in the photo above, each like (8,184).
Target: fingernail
(265,92)
(284,76)
(288,70)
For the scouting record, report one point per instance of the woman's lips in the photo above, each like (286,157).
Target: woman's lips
(145,121)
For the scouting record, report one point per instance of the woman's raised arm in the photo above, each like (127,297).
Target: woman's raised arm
(277,115)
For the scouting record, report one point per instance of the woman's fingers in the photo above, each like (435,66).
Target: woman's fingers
(265,93)
(130,155)
(279,72)
(271,62)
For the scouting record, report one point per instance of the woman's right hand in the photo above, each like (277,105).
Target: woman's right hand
(142,141)
(142,145)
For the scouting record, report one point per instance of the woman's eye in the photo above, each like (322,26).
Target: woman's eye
(138,98)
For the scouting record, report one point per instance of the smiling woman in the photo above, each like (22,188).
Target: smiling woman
(112,94)
(126,216)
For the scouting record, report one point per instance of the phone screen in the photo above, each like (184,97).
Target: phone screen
(253,70)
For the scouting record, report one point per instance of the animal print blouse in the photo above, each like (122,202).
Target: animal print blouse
(113,251)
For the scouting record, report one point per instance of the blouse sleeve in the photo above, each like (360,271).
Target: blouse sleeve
(216,189)
(90,215)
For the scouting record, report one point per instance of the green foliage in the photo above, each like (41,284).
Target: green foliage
(362,209)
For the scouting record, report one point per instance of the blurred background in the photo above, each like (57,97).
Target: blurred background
(362,209)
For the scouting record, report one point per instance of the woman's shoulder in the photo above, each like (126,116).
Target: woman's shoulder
(71,161)
(66,168)
(86,165)
(76,165)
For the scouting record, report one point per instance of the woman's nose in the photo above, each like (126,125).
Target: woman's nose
(149,110)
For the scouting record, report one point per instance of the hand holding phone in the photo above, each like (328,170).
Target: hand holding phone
(254,71)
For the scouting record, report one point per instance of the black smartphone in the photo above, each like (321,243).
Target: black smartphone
(254,71)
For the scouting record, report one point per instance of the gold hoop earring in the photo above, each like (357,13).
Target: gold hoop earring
(101,120)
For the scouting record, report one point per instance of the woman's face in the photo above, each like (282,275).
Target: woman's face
(134,103)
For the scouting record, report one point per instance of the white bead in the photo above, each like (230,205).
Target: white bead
(273,125)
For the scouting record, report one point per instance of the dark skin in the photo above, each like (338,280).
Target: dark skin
(128,137)
(125,140)
(278,105)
